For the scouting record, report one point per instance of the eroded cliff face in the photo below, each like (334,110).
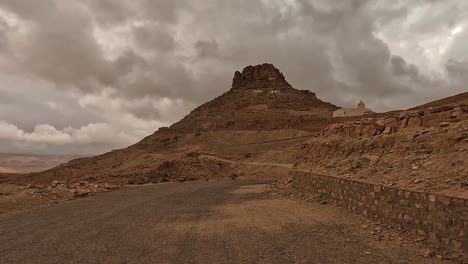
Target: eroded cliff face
(263,76)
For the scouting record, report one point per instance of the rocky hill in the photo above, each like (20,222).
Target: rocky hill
(263,128)
(260,106)
(260,99)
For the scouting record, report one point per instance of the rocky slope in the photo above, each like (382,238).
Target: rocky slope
(260,99)
(260,106)
(423,149)
(262,127)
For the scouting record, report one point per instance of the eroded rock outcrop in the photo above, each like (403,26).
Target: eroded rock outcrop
(263,76)
(260,99)
(441,116)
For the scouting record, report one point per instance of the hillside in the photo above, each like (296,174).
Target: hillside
(262,128)
(260,99)
(260,106)
(423,149)
(459,99)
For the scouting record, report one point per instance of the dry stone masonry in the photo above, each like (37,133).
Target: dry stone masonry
(442,220)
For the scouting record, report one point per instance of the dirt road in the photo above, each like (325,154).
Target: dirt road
(196,222)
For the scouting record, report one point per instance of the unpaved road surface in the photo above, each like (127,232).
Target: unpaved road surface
(196,222)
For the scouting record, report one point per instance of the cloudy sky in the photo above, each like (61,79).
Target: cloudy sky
(88,76)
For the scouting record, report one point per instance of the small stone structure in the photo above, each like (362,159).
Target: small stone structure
(441,219)
(359,111)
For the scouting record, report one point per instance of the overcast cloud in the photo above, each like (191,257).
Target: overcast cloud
(88,76)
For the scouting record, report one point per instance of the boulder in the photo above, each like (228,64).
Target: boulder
(444,124)
(391,127)
(440,109)
(369,131)
(388,130)
(456,114)
(414,122)
(403,115)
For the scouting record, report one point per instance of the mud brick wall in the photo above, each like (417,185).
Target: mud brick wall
(441,219)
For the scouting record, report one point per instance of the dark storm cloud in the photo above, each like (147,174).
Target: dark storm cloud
(59,45)
(400,67)
(154,37)
(457,70)
(111,12)
(72,46)
(151,61)
(207,48)
(31,12)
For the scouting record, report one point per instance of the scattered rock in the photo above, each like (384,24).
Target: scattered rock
(373,159)
(193,154)
(444,124)
(186,179)
(426,253)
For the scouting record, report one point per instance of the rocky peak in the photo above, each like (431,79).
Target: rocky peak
(260,77)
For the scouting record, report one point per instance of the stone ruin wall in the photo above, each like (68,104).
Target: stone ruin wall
(438,219)
(430,117)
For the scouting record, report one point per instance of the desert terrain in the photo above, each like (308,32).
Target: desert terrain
(261,128)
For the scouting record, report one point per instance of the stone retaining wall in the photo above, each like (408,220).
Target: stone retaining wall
(441,219)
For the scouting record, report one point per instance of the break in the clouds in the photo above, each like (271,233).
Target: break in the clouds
(84,77)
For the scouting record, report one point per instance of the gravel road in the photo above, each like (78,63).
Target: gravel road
(194,222)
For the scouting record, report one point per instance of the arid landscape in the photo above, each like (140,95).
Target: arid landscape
(262,122)
(263,128)
(297,131)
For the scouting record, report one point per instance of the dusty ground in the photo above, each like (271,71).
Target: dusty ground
(197,222)
(14,197)
(261,135)
(46,192)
